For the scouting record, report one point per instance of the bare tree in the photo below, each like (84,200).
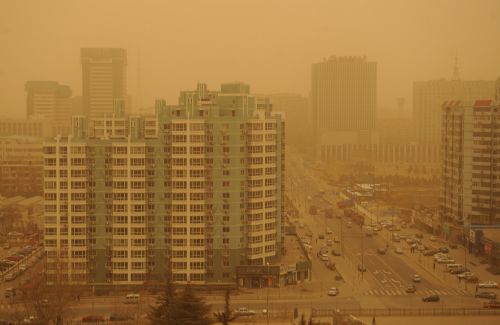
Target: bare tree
(48,302)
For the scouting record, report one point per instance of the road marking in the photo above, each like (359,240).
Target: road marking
(383,281)
(377,292)
(387,272)
(392,293)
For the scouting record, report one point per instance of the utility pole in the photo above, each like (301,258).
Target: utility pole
(362,254)
(267,300)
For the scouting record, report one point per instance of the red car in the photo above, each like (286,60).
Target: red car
(12,258)
(93,319)
(492,304)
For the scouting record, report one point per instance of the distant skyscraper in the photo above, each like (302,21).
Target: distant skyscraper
(104,79)
(343,99)
(343,94)
(48,100)
(428,96)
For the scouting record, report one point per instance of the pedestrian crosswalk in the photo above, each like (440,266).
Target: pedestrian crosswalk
(425,292)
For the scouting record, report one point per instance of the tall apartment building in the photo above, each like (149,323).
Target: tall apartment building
(48,100)
(343,94)
(343,99)
(104,79)
(470,156)
(428,96)
(193,192)
(21,166)
(298,118)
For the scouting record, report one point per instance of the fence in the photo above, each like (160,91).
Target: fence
(410,312)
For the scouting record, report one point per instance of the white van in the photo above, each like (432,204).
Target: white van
(132,298)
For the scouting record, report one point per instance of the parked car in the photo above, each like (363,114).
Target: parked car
(333,291)
(430,252)
(93,319)
(492,304)
(321,236)
(432,238)
(445,261)
(119,318)
(465,275)
(488,284)
(335,253)
(431,298)
(459,270)
(10,277)
(472,279)
(411,288)
(243,311)
(398,250)
(324,257)
(444,249)
(381,250)
(331,266)
(419,235)
(486,295)
(361,268)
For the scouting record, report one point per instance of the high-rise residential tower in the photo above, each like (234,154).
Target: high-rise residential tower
(470,155)
(343,99)
(48,100)
(104,79)
(191,193)
(428,96)
(343,94)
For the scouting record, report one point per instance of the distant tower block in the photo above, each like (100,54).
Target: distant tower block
(401,105)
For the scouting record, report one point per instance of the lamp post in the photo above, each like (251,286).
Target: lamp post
(267,298)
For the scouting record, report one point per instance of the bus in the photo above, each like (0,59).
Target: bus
(132,298)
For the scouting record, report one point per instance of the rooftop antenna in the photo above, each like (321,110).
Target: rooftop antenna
(138,86)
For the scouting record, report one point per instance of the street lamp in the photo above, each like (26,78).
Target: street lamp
(267,299)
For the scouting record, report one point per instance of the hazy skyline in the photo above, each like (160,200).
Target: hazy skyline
(269,44)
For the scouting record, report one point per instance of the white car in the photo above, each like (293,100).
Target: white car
(465,275)
(488,284)
(243,311)
(445,261)
(398,250)
(416,278)
(333,291)
(324,257)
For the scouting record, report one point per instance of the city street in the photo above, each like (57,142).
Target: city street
(386,277)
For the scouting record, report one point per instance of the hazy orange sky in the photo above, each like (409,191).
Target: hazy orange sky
(269,44)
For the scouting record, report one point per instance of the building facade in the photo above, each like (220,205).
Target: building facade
(48,100)
(21,166)
(33,128)
(428,96)
(190,193)
(104,79)
(343,94)
(469,173)
(382,153)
